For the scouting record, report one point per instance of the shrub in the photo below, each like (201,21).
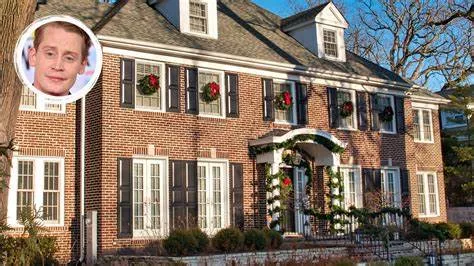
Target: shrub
(418,230)
(274,239)
(180,243)
(255,239)
(228,240)
(449,230)
(409,261)
(467,229)
(201,238)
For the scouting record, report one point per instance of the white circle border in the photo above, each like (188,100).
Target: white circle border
(28,31)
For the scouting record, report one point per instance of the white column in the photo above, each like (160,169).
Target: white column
(274,169)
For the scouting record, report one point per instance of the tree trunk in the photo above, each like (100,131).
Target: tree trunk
(15,15)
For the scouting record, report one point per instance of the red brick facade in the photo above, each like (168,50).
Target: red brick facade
(114,132)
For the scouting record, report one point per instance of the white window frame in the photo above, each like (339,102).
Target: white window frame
(293,102)
(207,18)
(336,43)
(225,214)
(344,171)
(222,91)
(354,113)
(422,128)
(397,184)
(394,120)
(426,194)
(164,198)
(41,105)
(162,81)
(38,187)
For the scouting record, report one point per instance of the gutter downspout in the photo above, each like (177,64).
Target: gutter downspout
(83,138)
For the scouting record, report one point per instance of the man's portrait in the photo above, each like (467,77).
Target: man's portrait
(59,57)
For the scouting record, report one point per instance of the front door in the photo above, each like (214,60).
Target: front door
(212,209)
(299,187)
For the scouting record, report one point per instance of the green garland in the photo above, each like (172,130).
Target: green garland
(290,144)
(284,192)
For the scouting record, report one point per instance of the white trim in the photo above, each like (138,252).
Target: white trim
(424,105)
(38,188)
(296,132)
(162,77)
(429,100)
(222,91)
(354,113)
(191,56)
(40,105)
(359,202)
(225,215)
(422,127)
(397,183)
(164,197)
(426,193)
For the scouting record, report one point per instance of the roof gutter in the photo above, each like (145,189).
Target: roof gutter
(192,53)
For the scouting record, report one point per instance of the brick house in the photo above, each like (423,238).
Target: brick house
(168,160)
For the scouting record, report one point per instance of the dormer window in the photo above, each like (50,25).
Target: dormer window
(330,43)
(198,17)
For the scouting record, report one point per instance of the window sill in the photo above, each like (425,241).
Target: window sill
(388,132)
(286,123)
(428,216)
(197,34)
(212,116)
(22,109)
(153,110)
(347,129)
(424,142)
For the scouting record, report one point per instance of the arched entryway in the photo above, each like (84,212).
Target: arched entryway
(282,152)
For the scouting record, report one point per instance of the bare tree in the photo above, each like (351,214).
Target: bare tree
(421,40)
(16,15)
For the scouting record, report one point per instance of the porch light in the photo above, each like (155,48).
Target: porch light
(358,237)
(432,259)
(296,158)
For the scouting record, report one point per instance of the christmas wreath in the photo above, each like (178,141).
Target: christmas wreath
(211,92)
(346,109)
(149,84)
(387,114)
(283,101)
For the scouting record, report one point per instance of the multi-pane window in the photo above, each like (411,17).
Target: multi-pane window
(31,101)
(390,183)
(142,100)
(381,103)
(283,115)
(25,190)
(422,125)
(352,187)
(197,17)
(344,96)
(36,186)
(149,201)
(428,194)
(330,43)
(211,196)
(51,191)
(213,107)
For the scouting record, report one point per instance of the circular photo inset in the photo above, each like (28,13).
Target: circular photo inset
(59,58)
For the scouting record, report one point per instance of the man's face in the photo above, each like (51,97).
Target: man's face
(57,61)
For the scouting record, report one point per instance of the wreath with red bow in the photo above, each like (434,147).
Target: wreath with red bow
(149,84)
(210,92)
(283,101)
(387,114)
(347,108)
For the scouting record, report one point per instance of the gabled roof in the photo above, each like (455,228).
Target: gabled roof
(245,30)
(304,15)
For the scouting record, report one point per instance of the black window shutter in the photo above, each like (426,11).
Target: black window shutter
(362,110)
(404,182)
(333,108)
(192,91)
(400,114)
(124,198)
(127,82)
(302,103)
(236,195)
(268,113)
(368,185)
(232,95)
(374,110)
(172,88)
(378,180)
(183,194)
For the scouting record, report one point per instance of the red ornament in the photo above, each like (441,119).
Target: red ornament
(214,89)
(287,98)
(286,181)
(153,80)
